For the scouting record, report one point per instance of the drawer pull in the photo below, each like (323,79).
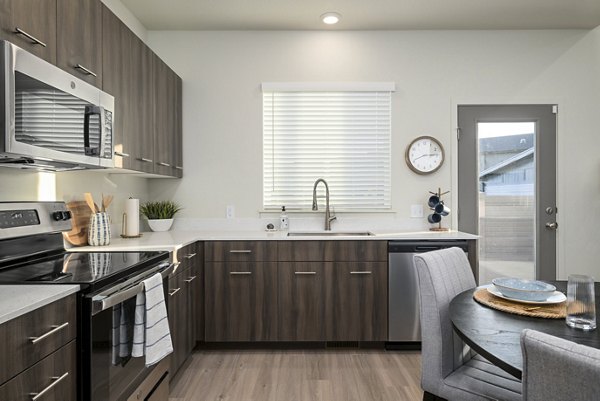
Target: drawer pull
(163,164)
(85,70)
(56,380)
(178,168)
(305,273)
(143,159)
(35,40)
(240,251)
(361,272)
(175,291)
(121,154)
(55,329)
(240,273)
(190,279)
(191,255)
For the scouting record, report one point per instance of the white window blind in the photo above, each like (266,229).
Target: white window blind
(342,136)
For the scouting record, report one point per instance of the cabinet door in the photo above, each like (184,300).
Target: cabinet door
(178,128)
(79,32)
(356,301)
(31,25)
(243,301)
(116,50)
(301,301)
(163,145)
(197,313)
(177,311)
(142,85)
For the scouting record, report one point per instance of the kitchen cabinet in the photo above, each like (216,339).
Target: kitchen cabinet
(356,301)
(79,32)
(31,25)
(55,375)
(39,352)
(177,311)
(301,301)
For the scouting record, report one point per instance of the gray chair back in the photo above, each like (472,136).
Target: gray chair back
(557,369)
(442,275)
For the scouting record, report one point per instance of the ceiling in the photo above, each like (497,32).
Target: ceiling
(365,14)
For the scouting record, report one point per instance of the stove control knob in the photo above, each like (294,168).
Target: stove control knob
(57,216)
(67,215)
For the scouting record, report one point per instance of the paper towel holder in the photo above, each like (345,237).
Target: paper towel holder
(124,229)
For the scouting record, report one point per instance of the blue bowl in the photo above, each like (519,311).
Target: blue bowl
(525,290)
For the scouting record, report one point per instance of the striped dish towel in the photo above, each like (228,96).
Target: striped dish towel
(151,336)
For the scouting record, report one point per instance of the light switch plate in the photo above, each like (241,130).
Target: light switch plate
(230,211)
(416,211)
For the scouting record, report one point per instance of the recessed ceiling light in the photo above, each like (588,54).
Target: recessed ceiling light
(331,18)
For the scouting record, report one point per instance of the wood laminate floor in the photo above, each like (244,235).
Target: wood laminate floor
(274,375)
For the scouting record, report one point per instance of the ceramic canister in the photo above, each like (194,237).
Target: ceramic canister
(99,231)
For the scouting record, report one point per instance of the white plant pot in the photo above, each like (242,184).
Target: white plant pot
(160,224)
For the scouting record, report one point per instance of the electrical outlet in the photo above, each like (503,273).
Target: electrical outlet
(230,211)
(416,210)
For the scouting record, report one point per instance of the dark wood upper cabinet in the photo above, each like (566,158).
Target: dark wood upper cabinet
(31,25)
(79,32)
(163,118)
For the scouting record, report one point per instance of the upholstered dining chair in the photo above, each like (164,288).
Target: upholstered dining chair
(449,368)
(555,369)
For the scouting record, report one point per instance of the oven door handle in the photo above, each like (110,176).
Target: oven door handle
(110,298)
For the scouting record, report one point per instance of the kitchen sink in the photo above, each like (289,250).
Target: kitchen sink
(331,234)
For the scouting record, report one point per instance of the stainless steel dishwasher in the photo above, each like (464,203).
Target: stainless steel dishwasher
(404,328)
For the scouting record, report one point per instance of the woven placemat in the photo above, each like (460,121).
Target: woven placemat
(554,311)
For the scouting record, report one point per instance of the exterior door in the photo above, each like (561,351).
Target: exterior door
(507,188)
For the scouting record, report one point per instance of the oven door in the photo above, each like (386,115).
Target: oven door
(108,371)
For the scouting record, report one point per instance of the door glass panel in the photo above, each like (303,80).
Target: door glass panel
(506,199)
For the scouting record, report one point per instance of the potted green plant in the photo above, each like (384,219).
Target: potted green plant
(160,214)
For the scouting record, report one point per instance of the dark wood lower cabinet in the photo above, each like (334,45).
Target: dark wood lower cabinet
(356,301)
(178,320)
(241,301)
(55,376)
(301,301)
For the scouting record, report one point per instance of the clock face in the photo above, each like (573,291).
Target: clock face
(424,155)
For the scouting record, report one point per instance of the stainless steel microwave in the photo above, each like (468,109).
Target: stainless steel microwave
(49,119)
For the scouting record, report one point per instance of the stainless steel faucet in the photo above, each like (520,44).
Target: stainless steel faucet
(328,218)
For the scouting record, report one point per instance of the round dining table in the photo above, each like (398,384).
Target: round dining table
(496,335)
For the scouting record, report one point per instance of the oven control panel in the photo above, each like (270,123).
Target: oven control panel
(28,218)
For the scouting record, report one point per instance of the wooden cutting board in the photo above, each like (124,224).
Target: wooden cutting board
(80,221)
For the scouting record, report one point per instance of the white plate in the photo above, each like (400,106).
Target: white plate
(556,298)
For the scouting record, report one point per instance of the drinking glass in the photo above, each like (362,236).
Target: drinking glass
(581,302)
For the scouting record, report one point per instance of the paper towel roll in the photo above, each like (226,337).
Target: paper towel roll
(132,220)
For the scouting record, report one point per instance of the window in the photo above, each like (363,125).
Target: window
(339,132)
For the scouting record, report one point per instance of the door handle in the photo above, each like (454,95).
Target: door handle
(552,226)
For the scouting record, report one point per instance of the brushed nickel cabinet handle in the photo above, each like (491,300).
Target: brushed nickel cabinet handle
(35,40)
(189,256)
(240,251)
(163,164)
(175,291)
(121,154)
(143,159)
(56,380)
(305,273)
(178,168)
(361,272)
(189,280)
(240,273)
(85,70)
(55,329)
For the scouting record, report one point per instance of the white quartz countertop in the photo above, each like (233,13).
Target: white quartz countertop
(17,300)
(173,240)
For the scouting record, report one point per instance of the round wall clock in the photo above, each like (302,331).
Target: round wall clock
(425,155)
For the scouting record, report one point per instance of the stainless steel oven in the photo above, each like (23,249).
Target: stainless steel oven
(50,119)
(107,336)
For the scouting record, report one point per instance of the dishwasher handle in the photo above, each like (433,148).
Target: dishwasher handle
(418,246)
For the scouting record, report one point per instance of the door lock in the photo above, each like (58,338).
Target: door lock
(552,226)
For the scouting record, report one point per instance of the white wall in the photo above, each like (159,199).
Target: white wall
(434,71)
(119,9)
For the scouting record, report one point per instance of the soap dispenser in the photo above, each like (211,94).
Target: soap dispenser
(284,222)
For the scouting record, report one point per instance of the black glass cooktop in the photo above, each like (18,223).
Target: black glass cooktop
(91,268)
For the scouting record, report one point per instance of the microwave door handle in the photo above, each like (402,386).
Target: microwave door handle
(90,111)
(103,133)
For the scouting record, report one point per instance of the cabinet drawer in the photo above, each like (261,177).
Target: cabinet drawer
(189,254)
(240,251)
(35,335)
(331,251)
(52,379)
